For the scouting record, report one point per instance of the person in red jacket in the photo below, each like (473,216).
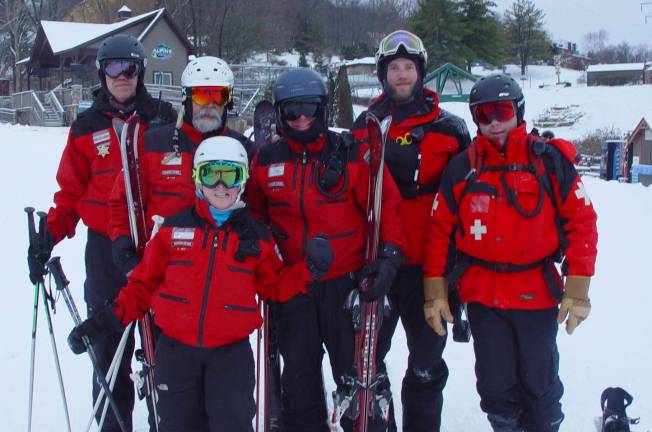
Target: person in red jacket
(310,182)
(201,274)
(507,209)
(423,138)
(166,160)
(89,165)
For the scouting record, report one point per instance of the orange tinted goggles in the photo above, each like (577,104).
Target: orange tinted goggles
(203,96)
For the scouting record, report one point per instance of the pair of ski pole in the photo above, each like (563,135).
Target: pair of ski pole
(37,242)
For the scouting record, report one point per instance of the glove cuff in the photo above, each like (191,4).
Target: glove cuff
(435,288)
(577,287)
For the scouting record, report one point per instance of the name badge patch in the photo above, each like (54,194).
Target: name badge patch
(102,136)
(183,233)
(276,170)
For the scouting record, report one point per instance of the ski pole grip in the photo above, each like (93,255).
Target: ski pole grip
(31,228)
(54,265)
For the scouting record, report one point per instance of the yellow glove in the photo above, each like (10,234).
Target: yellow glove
(436,306)
(575,303)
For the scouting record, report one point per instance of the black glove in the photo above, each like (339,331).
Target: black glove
(94,328)
(38,254)
(319,257)
(124,254)
(383,271)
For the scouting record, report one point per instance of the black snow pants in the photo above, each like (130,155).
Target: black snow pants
(205,389)
(427,373)
(517,367)
(103,282)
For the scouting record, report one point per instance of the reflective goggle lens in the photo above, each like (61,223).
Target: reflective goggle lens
(393,42)
(211,173)
(219,95)
(488,112)
(114,68)
(294,109)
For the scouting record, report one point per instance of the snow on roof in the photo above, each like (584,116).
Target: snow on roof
(616,67)
(64,36)
(124,8)
(25,60)
(360,61)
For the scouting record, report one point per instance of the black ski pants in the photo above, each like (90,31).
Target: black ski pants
(103,282)
(205,389)
(307,323)
(427,373)
(517,367)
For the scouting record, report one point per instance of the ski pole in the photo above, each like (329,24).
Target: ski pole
(42,233)
(31,230)
(62,285)
(111,376)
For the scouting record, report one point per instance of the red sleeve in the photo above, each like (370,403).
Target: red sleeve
(579,222)
(276,281)
(73,177)
(441,223)
(391,225)
(255,194)
(134,299)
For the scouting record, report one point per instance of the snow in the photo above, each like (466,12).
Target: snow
(360,61)
(64,36)
(616,67)
(612,348)
(290,59)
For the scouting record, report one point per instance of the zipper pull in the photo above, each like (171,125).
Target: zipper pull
(215,239)
(305,157)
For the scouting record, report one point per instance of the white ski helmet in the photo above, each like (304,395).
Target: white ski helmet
(207,71)
(221,148)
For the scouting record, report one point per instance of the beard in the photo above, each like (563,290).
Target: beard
(207,120)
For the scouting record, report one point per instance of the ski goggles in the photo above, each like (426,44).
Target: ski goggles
(212,173)
(392,42)
(500,110)
(127,68)
(293,109)
(219,95)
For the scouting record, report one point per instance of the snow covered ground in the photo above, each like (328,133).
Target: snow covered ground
(612,348)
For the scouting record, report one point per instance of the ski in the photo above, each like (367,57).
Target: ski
(264,119)
(137,222)
(361,401)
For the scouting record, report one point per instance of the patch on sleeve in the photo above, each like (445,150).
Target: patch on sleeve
(101,136)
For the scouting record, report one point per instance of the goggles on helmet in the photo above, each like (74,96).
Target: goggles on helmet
(393,42)
(308,107)
(500,110)
(212,173)
(114,68)
(219,95)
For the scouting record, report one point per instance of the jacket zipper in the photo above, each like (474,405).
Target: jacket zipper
(301,198)
(204,303)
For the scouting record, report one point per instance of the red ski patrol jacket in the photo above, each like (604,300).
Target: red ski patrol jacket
(284,191)
(418,149)
(165,173)
(500,221)
(91,162)
(201,281)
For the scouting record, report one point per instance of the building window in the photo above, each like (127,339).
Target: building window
(163,78)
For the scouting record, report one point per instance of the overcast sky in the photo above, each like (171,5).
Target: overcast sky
(570,20)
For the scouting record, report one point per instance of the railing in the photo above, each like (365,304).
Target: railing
(28,100)
(167,93)
(8,115)
(54,102)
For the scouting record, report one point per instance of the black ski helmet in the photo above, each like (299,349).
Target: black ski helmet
(121,46)
(498,87)
(296,84)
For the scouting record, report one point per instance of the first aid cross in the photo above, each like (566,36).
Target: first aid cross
(478,229)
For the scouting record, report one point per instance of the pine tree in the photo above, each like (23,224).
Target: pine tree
(344,103)
(524,27)
(484,34)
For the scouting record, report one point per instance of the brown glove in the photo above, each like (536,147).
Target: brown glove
(436,306)
(575,303)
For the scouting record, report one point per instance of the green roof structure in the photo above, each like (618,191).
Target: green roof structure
(451,83)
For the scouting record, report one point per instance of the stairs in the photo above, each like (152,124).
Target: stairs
(51,117)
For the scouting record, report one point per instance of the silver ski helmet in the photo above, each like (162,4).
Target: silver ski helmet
(494,88)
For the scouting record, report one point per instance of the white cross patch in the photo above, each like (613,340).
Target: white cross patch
(580,193)
(478,229)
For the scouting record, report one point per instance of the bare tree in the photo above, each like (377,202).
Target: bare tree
(524,27)
(16,31)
